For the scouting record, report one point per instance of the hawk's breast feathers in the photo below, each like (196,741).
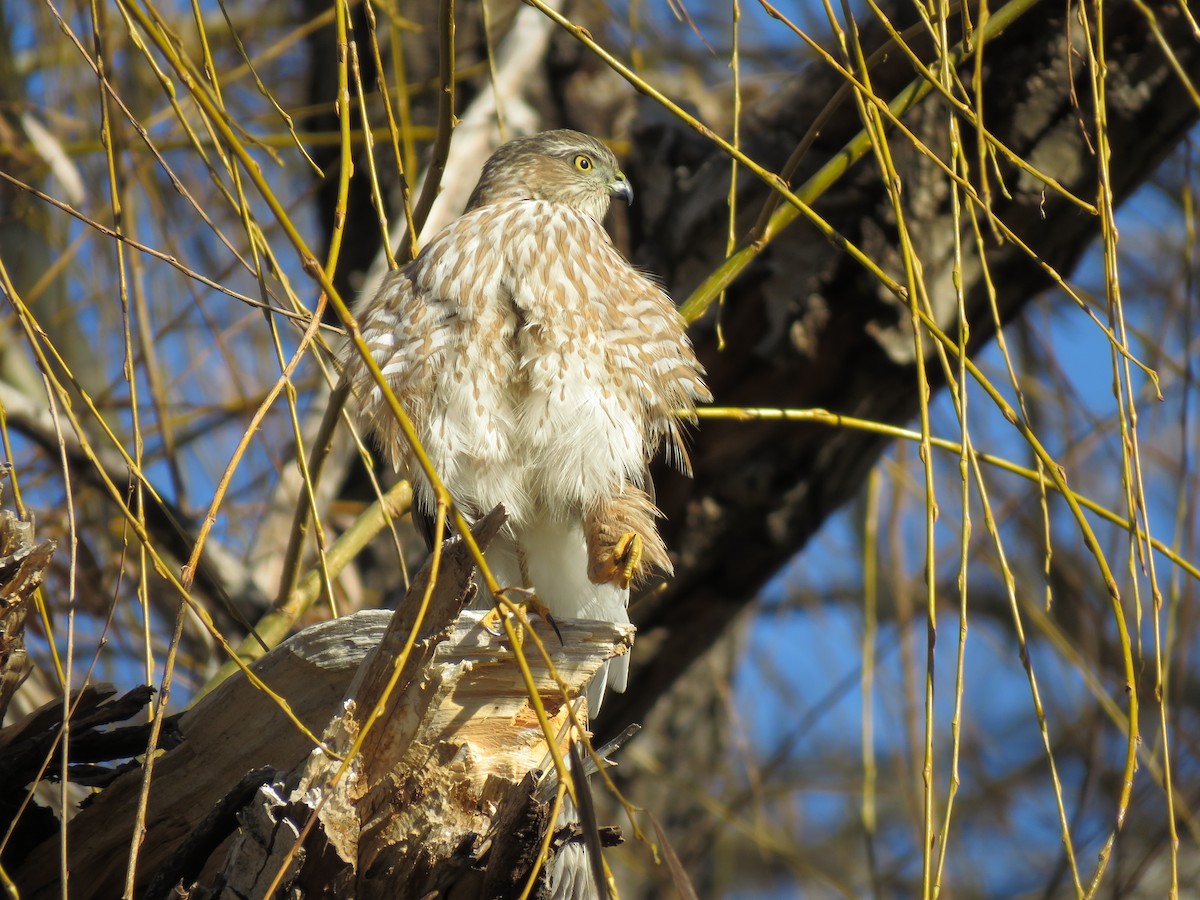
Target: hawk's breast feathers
(539,368)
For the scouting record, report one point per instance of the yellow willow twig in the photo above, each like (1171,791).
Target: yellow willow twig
(1130,444)
(194,140)
(867,683)
(157,26)
(1058,477)
(234,197)
(394,132)
(369,150)
(274,625)
(264,139)
(578,726)
(308,495)
(873,125)
(262,89)
(314,269)
(958,381)
(260,413)
(308,488)
(401,659)
(1026,658)
(284,381)
(731,232)
(768,226)
(376,713)
(892,114)
(346,160)
(1068,647)
(825,417)
(544,847)
(1172,59)
(772,842)
(446,121)
(113,147)
(942,85)
(156,254)
(216,115)
(258,242)
(160,713)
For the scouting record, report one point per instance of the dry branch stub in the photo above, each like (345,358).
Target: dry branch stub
(456,749)
(23,564)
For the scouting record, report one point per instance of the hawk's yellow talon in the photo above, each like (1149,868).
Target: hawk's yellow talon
(494,618)
(627,554)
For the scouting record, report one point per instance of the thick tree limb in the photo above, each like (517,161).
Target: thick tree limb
(806,327)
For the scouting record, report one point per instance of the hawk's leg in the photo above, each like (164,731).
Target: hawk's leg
(622,539)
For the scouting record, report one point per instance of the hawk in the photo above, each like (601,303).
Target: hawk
(542,371)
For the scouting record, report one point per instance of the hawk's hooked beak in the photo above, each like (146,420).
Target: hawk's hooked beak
(622,190)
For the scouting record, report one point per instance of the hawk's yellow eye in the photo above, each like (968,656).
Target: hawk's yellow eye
(583,163)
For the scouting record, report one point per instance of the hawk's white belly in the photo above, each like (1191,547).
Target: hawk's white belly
(546,435)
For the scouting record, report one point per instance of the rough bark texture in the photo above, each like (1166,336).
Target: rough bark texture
(806,327)
(311,672)
(23,744)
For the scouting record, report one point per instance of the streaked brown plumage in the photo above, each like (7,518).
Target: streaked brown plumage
(541,370)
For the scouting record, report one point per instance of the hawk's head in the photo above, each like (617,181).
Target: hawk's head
(561,166)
